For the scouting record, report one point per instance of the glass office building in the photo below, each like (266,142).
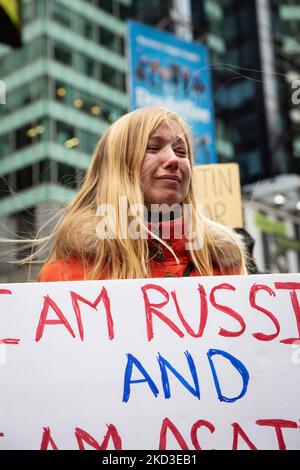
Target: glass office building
(64,87)
(208,27)
(251,92)
(289,12)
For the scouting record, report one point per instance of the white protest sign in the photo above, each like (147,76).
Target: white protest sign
(184,363)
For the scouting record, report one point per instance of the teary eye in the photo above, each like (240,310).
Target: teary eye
(180,151)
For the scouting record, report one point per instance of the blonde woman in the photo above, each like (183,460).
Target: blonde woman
(144,160)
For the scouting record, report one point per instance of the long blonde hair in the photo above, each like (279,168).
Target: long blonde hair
(115,171)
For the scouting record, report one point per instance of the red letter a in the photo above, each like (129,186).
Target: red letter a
(47,439)
(238,431)
(167,424)
(43,318)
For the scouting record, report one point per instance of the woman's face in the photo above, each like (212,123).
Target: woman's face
(166,169)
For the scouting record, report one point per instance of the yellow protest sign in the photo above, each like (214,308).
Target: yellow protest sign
(12,9)
(217,186)
(10,20)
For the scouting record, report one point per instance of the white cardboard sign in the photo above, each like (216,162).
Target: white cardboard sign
(186,363)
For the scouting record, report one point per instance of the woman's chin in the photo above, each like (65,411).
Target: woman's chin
(166,199)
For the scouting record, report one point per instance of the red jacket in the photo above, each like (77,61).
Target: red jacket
(162,265)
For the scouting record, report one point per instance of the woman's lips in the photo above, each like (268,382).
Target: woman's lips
(170,178)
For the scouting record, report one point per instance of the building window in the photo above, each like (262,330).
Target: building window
(123,12)
(38,48)
(28,12)
(64,132)
(85,28)
(46,170)
(67,175)
(22,96)
(111,113)
(87,66)
(24,178)
(39,88)
(43,130)
(22,138)
(122,46)
(106,5)
(108,39)
(64,93)
(7,63)
(112,77)
(31,133)
(22,56)
(62,54)
(4,187)
(34,9)
(88,104)
(5,145)
(61,14)
(87,141)
(41,8)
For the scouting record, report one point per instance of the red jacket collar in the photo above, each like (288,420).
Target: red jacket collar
(172,233)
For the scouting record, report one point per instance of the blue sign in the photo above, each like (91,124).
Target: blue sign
(170,72)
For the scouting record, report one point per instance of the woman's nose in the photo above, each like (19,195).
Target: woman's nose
(170,157)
